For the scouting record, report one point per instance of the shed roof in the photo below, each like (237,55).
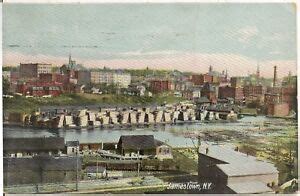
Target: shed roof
(137,142)
(249,187)
(72,143)
(33,144)
(250,168)
(238,164)
(225,154)
(37,163)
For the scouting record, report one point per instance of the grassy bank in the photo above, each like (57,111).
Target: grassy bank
(281,150)
(22,104)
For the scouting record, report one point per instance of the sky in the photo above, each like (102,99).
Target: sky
(186,37)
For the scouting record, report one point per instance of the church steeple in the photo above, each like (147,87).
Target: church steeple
(258,74)
(258,71)
(70,59)
(226,74)
(210,69)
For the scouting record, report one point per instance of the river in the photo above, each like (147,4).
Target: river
(174,135)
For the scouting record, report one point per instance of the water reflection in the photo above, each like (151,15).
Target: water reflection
(174,135)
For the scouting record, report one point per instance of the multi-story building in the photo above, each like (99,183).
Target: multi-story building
(251,90)
(254,92)
(101,77)
(282,95)
(121,79)
(54,77)
(158,86)
(104,77)
(231,92)
(36,88)
(33,70)
(83,76)
(202,78)
(210,92)
(278,109)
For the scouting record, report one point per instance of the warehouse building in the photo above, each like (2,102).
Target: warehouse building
(40,169)
(235,172)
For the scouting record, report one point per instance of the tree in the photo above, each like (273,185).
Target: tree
(5,86)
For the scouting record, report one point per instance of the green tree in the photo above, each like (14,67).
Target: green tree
(5,86)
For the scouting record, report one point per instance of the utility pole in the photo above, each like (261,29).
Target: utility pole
(199,142)
(138,168)
(97,166)
(77,170)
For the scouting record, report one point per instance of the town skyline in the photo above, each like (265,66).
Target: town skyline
(157,37)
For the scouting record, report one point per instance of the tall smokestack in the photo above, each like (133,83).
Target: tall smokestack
(275,76)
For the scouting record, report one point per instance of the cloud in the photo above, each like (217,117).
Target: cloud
(237,65)
(245,34)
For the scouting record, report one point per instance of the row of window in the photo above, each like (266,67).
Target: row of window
(39,88)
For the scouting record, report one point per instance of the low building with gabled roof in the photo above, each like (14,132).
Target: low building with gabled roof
(235,172)
(144,145)
(40,169)
(32,146)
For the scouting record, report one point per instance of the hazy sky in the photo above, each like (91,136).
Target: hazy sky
(187,37)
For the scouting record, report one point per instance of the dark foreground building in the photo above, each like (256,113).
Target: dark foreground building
(40,169)
(129,145)
(19,147)
(235,172)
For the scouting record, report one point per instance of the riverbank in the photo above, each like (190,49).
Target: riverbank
(27,105)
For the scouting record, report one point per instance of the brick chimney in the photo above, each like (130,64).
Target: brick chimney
(275,76)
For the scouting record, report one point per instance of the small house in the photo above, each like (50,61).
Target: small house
(143,145)
(72,147)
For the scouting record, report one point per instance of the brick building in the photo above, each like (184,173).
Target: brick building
(158,86)
(32,70)
(289,96)
(36,88)
(236,93)
(200,79)
(209,91)
(278,109)
(54,77)
(251,90)
(282,95)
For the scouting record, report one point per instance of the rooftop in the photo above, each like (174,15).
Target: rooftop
(237,163)
(72,143)
(33,144)
(138,142)
(249,187)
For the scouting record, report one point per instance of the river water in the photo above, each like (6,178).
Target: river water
(174,135)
